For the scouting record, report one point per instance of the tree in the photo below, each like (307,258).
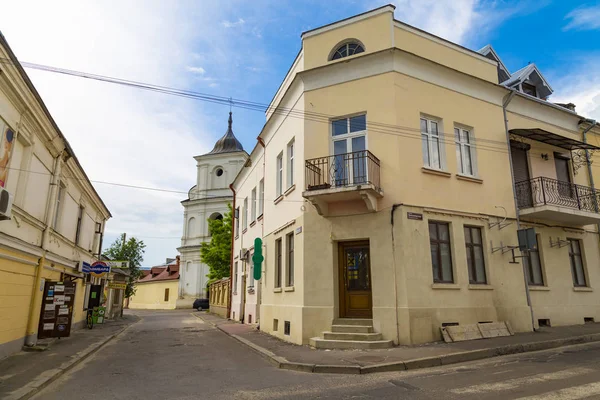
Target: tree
(131,250)
(217,253)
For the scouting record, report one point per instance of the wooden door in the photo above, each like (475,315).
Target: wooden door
(355,280)
(523,186)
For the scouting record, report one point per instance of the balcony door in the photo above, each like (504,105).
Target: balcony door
(565,187)
(349,139)
(520,166)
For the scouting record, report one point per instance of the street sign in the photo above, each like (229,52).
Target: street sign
(99,268)
(84,267)
(117,285)
(117,264)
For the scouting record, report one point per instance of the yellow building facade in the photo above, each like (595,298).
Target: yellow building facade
(157,288)
(414,163)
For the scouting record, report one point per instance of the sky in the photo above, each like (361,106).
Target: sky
(242,50)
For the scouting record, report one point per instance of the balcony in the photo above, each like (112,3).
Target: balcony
(349,177)
(550,199)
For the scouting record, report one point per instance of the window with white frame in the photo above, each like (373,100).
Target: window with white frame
(253,205)
(279,183)
(245,214)
(431,143)
(79,223)
(349,145)
(58,209)
(261,197)
(290,163)
(465,151)
(237,221)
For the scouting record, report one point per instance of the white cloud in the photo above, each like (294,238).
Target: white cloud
(229,24)
(583,18)
(581,87)
(196,70)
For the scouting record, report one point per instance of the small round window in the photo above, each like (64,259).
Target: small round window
(219,172)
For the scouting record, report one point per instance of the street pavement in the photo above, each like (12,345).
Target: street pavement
(175,355)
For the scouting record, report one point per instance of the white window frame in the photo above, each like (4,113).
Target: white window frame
(463,148)
(279,176)
(261,198)
(245,215)
(348,138)
(429,136)
(58,209)
(253,205)
(290,163)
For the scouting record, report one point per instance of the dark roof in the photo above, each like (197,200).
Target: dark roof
(553,139)
(165,272)
(228,143)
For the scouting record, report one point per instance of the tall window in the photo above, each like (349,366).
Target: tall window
(349,136)
(261,197)
(576,263)
(279,183)
(59,201)
(245,214)
(533,265)
(348,49)
(441,258)
(253,205)
(78,227)
(430,141)
(464,151)
(475,260)
(290,163)
(237,221)
(289,277)
(167,294)
(278,263)
(235,277)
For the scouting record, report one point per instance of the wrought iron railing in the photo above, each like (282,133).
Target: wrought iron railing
(547,191)
(342,170)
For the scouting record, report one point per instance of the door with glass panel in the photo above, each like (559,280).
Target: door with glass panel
(349,165)
(355,280)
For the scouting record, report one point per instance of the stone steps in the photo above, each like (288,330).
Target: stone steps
(351,333)
(365,337)
(319,343)
(351,329)
(353,321)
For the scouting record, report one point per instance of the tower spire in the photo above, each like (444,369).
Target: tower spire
(230,122)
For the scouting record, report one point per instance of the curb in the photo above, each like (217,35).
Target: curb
(50,376)
(418,363)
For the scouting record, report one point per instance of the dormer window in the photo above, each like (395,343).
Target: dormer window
(347,49)
(529,89)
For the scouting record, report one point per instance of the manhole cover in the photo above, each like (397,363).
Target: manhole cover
(369,359)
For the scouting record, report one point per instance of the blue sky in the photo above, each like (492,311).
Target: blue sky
(242,50)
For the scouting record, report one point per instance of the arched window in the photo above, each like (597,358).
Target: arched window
(191,231)
(347,49)
(216,216)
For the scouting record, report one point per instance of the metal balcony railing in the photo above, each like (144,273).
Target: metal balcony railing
(342,170)
(547,191)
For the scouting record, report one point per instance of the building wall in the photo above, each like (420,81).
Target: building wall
(151,296)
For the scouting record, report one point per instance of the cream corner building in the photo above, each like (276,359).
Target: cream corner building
(207,199)
(390,189)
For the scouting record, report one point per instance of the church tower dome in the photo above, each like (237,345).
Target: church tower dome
(228,143)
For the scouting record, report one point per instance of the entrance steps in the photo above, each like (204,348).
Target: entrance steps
(351,333)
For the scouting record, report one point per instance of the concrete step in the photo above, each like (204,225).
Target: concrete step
(365,337)
(351,329)
(353,321)
(349,344)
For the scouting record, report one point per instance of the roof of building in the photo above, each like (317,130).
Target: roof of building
(228,143)
(164,272)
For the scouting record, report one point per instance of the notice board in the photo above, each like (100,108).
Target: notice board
(57,309)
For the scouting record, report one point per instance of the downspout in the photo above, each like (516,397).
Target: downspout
(507,99)
(589,166)
(30,339)
(395,272)
(262,232)
(231,262)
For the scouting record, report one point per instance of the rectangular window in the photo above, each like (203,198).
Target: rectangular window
(279,177)
(278,263)
(577,263)
(529,89)
(235,277)
(245,214)
(237,221)
(464,151)
(289,278)
(533,265)
(261,198)
(430,142)
(475,261)
(253,205)
(59,201)
(167,294)
(441,257)
(290,163)
(78,228)
(349,145)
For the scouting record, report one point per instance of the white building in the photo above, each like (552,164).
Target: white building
(207,199)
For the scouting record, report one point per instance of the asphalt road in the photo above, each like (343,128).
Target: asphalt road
(175,355)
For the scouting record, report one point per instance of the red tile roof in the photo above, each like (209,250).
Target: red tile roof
(165,272)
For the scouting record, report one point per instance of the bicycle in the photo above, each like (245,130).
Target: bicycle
(90,318)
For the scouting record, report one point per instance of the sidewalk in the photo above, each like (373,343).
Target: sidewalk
(307,359)
(25,373)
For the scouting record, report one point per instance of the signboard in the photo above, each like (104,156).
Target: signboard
(57,310)
(117,264)
(415,216)
(84,267)
(7,141)
(117,285)
(99,268)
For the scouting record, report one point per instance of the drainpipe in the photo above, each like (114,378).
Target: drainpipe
(507,99)
(231,262)
(262,233)
(589,165)
(30,339)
